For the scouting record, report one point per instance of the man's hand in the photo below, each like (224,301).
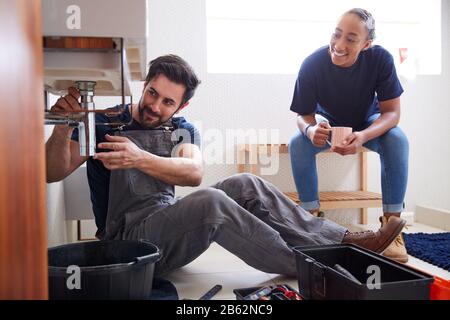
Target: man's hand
(124,155)
(67,103)
(351,144)
(319,134)
(62,154)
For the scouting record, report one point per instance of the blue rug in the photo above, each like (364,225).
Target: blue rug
(433,248)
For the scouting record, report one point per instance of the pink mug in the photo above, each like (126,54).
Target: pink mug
(338,135)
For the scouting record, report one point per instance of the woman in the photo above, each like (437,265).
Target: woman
(351,83)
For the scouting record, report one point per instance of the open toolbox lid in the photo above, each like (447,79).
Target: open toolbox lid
(377,277)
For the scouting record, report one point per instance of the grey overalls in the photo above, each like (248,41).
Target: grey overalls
(133,194)
(244,214)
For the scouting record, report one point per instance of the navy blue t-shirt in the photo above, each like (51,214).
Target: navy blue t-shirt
(346,96)
(98,176)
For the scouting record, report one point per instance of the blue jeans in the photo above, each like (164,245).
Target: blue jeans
(392,147)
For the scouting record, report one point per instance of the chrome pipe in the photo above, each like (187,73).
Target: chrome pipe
(86,127)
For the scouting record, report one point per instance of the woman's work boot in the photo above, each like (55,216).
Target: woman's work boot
(396,250)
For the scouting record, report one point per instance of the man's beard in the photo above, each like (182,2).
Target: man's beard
(146,110)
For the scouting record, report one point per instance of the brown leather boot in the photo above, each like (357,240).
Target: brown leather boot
(396,250)
(377,241)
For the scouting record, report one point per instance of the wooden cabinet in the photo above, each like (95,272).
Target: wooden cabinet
(23,219)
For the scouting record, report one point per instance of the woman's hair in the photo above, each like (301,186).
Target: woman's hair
(368,19)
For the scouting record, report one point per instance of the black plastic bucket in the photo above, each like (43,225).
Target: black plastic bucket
(112,269)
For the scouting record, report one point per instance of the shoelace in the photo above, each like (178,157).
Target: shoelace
(399,242)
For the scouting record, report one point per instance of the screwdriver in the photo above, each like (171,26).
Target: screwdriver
(211,293)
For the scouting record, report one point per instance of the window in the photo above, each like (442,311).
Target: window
(273,37)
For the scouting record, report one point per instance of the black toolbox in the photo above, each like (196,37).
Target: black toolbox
(377,277)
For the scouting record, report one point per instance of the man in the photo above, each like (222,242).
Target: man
(353,84)
(132,178)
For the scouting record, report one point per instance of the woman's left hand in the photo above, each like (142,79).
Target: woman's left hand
(351,144)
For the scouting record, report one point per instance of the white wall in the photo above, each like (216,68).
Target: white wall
(56,224)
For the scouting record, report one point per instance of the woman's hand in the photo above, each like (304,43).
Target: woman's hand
(319,134)
(351,144)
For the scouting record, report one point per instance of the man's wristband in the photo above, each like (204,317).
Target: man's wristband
(306,129)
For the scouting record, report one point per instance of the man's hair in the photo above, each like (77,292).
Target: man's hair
(368,19)
(176,70)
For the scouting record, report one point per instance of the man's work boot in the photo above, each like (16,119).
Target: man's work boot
(396,250)
(377,241)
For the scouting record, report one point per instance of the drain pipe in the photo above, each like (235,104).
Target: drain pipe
(86,127)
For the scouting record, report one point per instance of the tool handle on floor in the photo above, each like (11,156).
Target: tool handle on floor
(345,273)
(211,293)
